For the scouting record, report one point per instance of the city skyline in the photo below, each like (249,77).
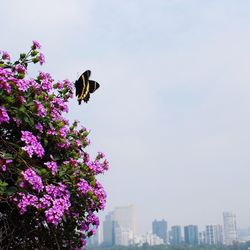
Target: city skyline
(171,223)
(119,229)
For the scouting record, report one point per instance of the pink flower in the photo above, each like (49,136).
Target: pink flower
(32,144)
(22,85)
(41,111)
(100,155)
(36,45)
(33,179)
(41,58)
(46,81)
(25,201)
(83,187)
(5,55)
(20,69)
(39,127)
(60,202)
(4,115)
(52,166)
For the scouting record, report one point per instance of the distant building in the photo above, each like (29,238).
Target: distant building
(123,236)
(191,235)
(152,239)
(119,227)
(202,238)
(214,235)
(243,234)
(109,230)
(125,217)
(160,228)
(176,237)
(230,229)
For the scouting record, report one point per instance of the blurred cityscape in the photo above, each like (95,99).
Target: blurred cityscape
(119,229)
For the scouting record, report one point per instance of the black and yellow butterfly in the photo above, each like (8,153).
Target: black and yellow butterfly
(85,87)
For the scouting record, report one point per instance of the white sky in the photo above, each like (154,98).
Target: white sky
(173,110)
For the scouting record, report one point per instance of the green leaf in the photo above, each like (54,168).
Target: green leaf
(64,218)
(22,55)
(42,171)
(11,190)
(3,186)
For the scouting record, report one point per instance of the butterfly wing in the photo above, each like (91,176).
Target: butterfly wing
(93,86)
(86,98)
(78,86)
(82,85)
(87,74)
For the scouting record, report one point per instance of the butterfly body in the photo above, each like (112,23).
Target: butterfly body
(85,87)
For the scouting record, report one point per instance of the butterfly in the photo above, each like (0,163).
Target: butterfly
(85,87)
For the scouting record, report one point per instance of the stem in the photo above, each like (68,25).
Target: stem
(57,244)
(27,55)
(15,151)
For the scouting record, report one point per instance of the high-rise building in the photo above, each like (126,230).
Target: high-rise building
(202,237)
(109,230)
(214,235)
(119,227)
(176,238)
(230,229)
(191,234)
(160,228)
(125,217)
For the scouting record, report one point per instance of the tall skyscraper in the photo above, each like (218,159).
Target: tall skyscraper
(230,229)
(109,230)
(191,235)
(119,227)
(160,228)
(125,217)
(176,235)
(214,235)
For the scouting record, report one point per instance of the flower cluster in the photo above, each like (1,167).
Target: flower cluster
(44,167)
(60,198)
(24,201)
(52,166)
(32,144)
(83,187)
(33,179)
(97,166)
(41,111)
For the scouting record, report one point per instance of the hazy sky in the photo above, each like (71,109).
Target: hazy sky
(173,110)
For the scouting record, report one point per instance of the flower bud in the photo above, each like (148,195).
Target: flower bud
(34,53)
(35,59)
(22,56)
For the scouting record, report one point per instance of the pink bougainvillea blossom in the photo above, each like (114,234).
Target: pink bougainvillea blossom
(36,45)
(32,144)
(5,55)
(52,166)
(83,186)
(33,179)
(41,58)
(41,111)
(4,117)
